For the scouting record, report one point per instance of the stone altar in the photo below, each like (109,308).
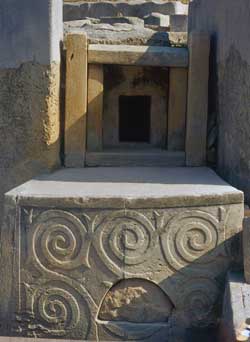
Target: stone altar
(118,253)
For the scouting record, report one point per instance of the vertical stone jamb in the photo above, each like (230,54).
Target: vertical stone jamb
(95,107)
(246,248)
(177,107)
(76,100)
(197,107)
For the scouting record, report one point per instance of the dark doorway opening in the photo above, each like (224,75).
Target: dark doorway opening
(134,118)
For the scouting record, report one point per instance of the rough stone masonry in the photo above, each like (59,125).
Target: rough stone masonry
(29,89)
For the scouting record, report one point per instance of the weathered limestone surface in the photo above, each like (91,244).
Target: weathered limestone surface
(246,248)
(138,55)
(97,244)
(197,101)
(229,82)
(29,123)
(76,99)
(81,9)
(95,108)
(236,312)
(124,33)
(177,108)
(29,90)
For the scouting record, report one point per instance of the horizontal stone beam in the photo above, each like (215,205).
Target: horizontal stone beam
(138,55)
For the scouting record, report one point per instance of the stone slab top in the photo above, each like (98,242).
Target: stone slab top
(124,33)
(125,187)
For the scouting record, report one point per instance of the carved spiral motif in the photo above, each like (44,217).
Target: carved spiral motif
(188,237)
(198,298)
(60,240)
(56,309)
(125,238)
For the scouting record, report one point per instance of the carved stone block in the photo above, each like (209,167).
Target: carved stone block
(111,265)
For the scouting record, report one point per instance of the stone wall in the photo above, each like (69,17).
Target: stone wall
(228,23)
(30,34)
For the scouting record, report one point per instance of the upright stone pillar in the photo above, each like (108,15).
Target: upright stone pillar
(229,98)
(30,35)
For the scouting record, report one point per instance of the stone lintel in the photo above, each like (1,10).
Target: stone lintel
(138,55)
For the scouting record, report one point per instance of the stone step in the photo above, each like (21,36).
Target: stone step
(136,158)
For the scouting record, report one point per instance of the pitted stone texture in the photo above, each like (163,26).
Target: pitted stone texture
(246,248)
(75,258)
(29,123)
(119,33)
(81,9)
(128,34)
(229,83)
(236,308)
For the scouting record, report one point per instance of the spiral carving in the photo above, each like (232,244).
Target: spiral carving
(125,238)
(198,298)
(60,240)
(190,237)
(56,309)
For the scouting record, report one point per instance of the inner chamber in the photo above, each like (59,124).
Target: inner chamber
(134,118)
(135,103)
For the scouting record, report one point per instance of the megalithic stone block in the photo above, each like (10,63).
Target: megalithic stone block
(177,108)
(95,107)
(246,248)
(197,107)
(76,100)
(86,251)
